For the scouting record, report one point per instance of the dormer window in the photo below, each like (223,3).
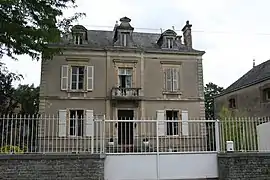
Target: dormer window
(166,39)
(170,43)
(77,39)
(79,34)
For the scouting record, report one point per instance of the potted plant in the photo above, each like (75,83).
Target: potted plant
(111,143)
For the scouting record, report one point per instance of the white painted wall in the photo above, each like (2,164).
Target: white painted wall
(172,166)
(263,135)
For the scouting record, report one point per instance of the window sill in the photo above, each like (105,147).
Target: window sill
(77,91)
(172,92)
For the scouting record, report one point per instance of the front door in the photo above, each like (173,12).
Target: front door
(125,129)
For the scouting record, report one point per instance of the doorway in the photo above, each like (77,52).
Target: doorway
(125,129)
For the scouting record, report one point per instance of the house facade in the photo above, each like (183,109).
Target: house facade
(121,74)
(249,96)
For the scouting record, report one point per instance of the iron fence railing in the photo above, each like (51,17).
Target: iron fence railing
(50,134)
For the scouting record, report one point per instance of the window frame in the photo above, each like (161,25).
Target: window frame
(127,72)
(78,39)
(174,74)
(77,77)
(173,123)
(169,43)
(267,94)
(232,103)
(124,39)
(76,122)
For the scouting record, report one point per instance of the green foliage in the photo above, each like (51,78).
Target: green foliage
(11,149)
(242,131)
(210,91)
(28,26)
(28,98)
(7,99)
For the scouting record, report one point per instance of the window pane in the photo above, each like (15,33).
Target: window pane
(74,77)
(121,71)
(128,81)
(129,71)
(81,81)
(73,85)
(80,85)
(81,70)
(74,70)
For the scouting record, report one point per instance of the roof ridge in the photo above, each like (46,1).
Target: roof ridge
(251,77)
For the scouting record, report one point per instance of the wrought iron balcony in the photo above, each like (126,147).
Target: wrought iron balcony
(125,93)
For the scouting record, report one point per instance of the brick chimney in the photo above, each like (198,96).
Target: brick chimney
(187,34)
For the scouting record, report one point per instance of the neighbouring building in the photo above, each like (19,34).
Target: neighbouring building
(249,95)
(122,74)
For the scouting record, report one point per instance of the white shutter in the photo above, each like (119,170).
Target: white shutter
(185,128)
(89,124)
(62,123)
(90,78)
(175,72)
(161,122)
(168,79)
(64,77)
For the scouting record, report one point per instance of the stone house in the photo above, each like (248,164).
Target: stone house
(121,74)
(249,95)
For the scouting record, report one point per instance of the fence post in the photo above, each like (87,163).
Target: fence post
(157,165)
(217,135)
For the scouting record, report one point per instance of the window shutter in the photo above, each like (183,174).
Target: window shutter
(89,124)
(185,128)
(90,78)
(62,123)
(64,77)
(168,80)
(176,75)
(161,122)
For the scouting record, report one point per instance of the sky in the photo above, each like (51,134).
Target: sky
(232,33)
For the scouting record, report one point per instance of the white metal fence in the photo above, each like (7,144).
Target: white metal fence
(43,134)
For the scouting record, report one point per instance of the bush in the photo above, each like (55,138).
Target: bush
(11,150)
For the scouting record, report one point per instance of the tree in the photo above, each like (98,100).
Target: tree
(28,26)
(7,100)
(210,91)
(28,98)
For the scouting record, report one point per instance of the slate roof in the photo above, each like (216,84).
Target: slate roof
(256,75)
(145,41)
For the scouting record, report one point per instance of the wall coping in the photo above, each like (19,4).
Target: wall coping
(50,156)
(243,154)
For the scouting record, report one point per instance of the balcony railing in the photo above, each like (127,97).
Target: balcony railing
(125,93)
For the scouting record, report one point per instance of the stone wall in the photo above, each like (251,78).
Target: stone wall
(51,167)
(246,166)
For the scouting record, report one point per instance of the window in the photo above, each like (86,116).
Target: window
(76,122)
(172,125)
(266,94)
(125,77)
(172,79)
(77,39)
(169,43)
(124,39)
(77,77)
(232,103)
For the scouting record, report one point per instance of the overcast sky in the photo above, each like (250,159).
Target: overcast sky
(232,33)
